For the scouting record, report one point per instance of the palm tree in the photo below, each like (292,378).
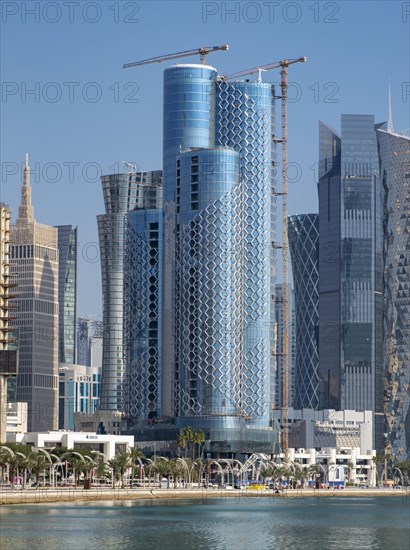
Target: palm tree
(379,460)
(37,464)
(348,468)
(113,464)
(122,462)
(174,471)
(161,467)
(198,438)
(136,457)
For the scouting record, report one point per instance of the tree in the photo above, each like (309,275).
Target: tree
(198,439)
(136,457)
(114,465)
(174,471)
(123,462)
(379,460)
(37,464)
(161,467)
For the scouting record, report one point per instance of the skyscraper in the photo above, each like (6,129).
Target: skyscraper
(394,151)
(142,306)
(304,247)
(89,342)
(34,260)
(67,293)
(350,270)
(121,194)
(218,256)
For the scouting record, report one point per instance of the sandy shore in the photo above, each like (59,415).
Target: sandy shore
(81,496)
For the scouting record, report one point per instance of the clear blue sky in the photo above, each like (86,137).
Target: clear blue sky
(353,48)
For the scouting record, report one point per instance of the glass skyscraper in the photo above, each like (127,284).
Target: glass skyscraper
(121,194)
(350,267)
(394,151)
(218,254)
(67,293)
(142,307)
(304,247)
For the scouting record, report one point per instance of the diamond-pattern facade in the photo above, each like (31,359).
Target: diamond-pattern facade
(394,151)
(142,314)
(303,243)
(245,123)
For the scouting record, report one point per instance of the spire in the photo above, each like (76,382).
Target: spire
(26,213)
(390,120)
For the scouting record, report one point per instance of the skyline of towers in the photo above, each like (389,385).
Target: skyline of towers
(34,262)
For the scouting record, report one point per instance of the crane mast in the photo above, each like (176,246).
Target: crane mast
(285,246)
(283,65)
(202,52)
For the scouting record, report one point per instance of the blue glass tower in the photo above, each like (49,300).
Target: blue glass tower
(142,308)
(189,121)
(350,270)
(121,194)
(304,244)
(218,255)
(245,122)
(67,293)
(208,276)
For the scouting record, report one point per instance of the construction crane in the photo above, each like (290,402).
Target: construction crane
(202,52)
(283,65)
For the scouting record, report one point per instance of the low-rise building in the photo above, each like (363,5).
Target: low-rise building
(16,419)
(107,444)
(101,421)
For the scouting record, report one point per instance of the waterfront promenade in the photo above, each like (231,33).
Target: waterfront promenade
(49,496)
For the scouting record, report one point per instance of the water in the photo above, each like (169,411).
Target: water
(346,523)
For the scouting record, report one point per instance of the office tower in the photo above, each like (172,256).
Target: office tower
(67,292)
(350,270)
(34,260)
(120,195)
(189,113)
(79,392)
(89,342)
(218,256)
(142,306)
(245,122)
(394,151)
(278,394)
(304,248)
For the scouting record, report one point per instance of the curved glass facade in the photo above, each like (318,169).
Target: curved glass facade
(245,122)
(121,194)
(189,121)
(304,247)
(394,151)
(142,314)
(209,308)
